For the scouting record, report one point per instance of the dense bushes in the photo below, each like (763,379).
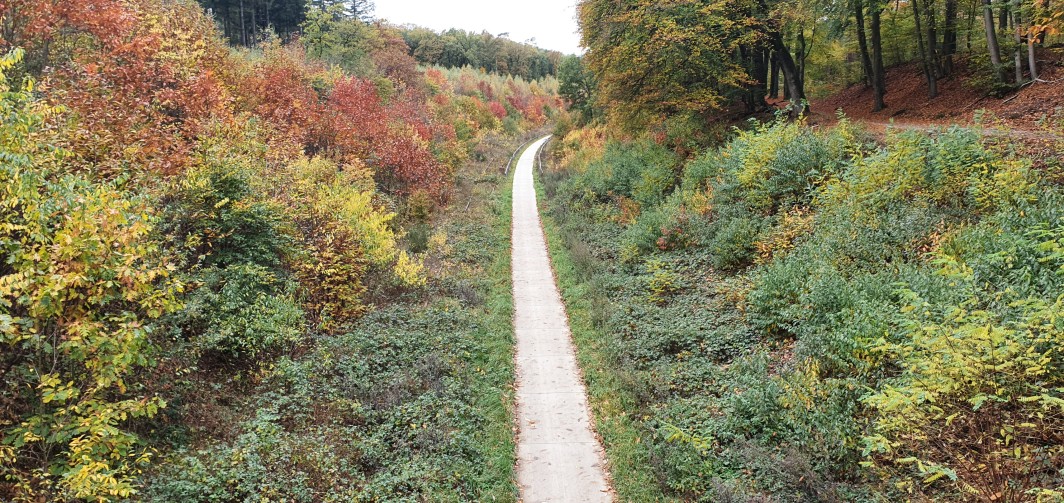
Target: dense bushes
(81,284)
(642,172)
(879,321)
(176,217)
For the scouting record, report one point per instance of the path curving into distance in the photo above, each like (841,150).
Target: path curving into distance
(559,458)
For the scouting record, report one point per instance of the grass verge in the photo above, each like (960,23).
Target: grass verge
(497,396)
(627,454)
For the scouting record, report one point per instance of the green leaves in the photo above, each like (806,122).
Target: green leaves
(80,280)
(976,388)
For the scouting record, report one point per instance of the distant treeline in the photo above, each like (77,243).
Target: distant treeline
(246,22)
(457,48)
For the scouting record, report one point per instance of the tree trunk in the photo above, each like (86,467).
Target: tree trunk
(929,72)
(862,41)
(243,31)
(1018,56)
(763,64)
(879,78)
(971,25)
(898,56)
(934,54)
(1042,32)
(949,37)
(224,13)
(254,21)
(991,40)
(774,72)
(1031,61)
(792,80)
(749,57)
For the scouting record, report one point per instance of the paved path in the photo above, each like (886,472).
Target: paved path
(559,458)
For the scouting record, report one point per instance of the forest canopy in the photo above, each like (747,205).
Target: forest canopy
(657,60)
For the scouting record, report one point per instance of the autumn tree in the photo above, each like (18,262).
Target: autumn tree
(81,283)
(654,59)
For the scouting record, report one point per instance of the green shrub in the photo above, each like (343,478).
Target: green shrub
(242,311)
(1007,252)
(417,237)
(511,125)
(977,401)
(662,283)
(732,244)
(950,169)
(219,219)
(772,166)
(640,170)
(788,432)
(641,237)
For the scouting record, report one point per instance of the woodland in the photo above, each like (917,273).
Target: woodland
(259,250)
(777,303)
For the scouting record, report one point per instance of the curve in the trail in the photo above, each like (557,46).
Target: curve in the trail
(559,456)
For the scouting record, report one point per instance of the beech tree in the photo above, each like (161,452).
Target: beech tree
(656,59)
(653,59)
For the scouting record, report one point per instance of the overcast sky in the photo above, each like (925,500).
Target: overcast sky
(551,22)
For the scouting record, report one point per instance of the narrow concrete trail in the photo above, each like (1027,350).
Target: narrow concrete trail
(559,457)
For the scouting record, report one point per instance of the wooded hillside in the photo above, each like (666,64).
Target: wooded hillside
(684,62)
(774,309)
(192,233)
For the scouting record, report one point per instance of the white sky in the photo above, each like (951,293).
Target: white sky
(551,22)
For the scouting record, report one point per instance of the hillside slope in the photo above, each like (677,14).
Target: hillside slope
(958,100)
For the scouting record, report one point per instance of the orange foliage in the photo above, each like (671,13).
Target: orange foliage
(279,90)
(146,80)
(137,100)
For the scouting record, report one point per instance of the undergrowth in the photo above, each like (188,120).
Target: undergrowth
(806,315)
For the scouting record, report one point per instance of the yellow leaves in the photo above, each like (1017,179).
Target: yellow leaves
(9,60)
(438,243)
(781,238)
(968,374)
(1003,184)
(53,390)
(410,271)
(803,387)
(370,224)
(83,275)
(357,210)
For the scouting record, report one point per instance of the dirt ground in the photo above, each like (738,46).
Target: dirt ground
(957,102)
